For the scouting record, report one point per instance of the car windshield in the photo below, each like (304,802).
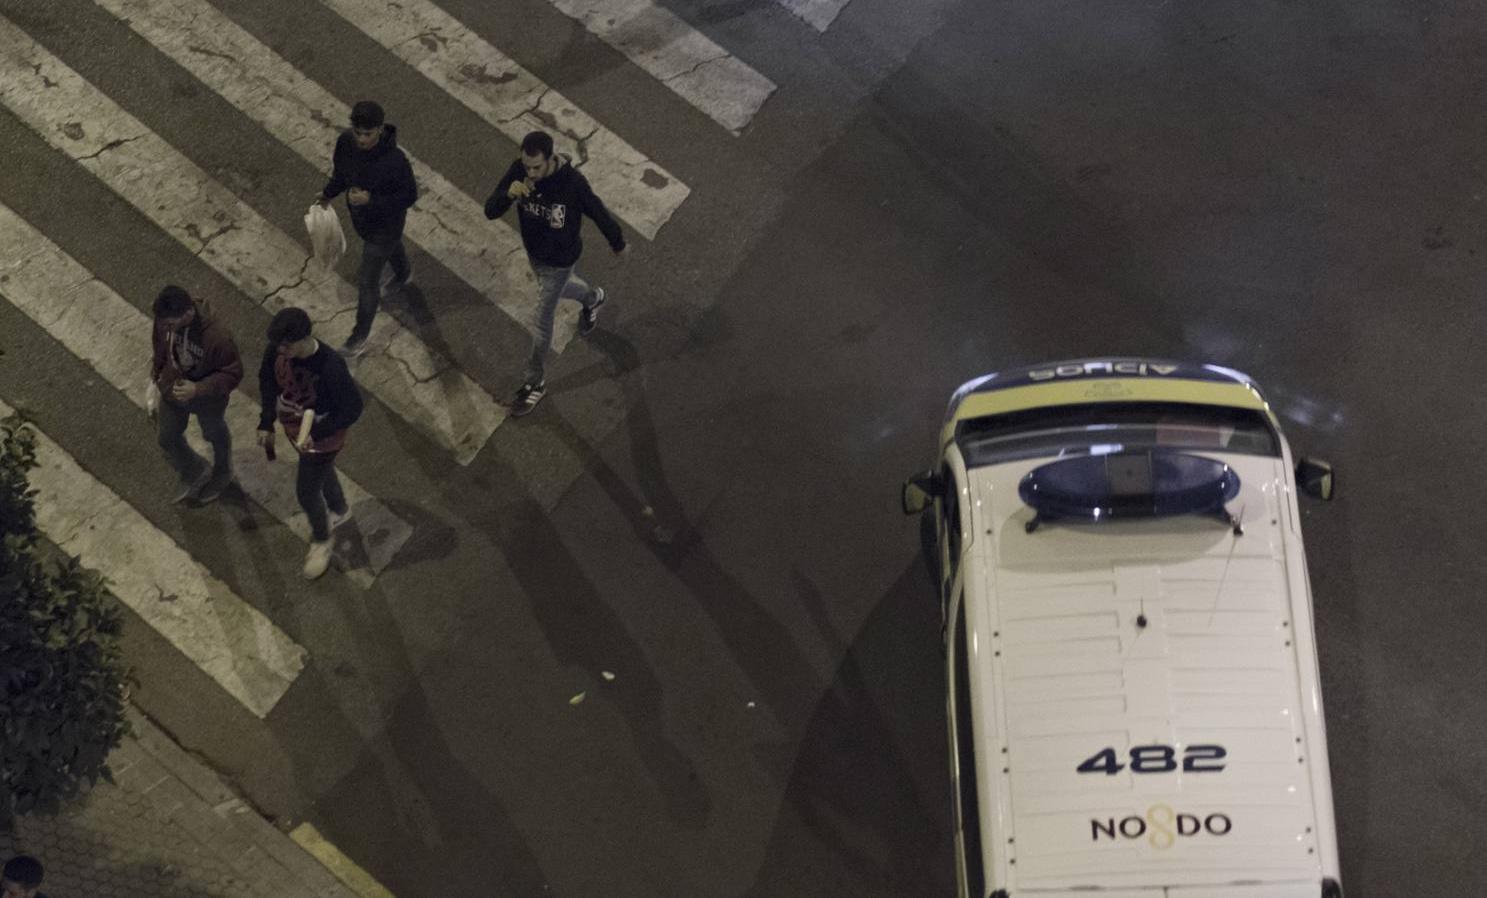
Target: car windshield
(1108,427)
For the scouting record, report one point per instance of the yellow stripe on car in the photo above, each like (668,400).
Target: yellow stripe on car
(1104,389)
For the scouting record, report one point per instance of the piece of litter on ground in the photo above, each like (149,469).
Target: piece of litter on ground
(751,704)
(577,698)
(647,512)
(607,675)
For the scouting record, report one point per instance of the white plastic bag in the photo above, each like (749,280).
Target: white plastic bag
(152,398)
(326,237)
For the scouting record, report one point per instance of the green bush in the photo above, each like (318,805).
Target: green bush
(62,676)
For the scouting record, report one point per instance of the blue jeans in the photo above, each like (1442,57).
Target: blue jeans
(369,280)
(211,417)
(553,285)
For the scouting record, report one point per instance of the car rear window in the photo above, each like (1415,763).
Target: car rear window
(1105,427)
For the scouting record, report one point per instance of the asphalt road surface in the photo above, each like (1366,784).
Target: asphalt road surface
(698,530)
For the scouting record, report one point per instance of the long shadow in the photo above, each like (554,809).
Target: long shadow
(848,778)
(441,832)
(762,646)
(582,631)
(853,817)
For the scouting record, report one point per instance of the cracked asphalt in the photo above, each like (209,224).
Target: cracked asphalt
(706,503)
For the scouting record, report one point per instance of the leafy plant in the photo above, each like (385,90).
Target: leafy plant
(62,675)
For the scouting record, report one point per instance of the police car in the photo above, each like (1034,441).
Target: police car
(1134,703)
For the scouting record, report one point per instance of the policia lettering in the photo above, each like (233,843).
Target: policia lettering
(1161,825)
(1138,368)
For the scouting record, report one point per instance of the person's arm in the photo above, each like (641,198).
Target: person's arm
(338,177)
(500,199)
(268,389)
(225,363)
(343,395)
(157,352)
(593,207)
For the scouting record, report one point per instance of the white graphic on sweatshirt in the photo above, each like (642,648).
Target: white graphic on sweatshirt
(556,215)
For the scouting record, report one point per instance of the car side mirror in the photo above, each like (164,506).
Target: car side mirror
(920,492)
(1314,477)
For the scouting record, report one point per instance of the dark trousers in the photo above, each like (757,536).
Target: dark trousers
(374,255)
(318,488)
(211,417)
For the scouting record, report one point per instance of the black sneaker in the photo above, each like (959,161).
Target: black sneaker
(527,398)
(212,490)
(188,489)
(354,347)
(589,319)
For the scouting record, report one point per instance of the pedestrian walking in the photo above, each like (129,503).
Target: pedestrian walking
(308,389)
(376,177)
(551,198)
(194,370)
(21,878)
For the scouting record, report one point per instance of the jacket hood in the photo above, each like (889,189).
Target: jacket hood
(386,144)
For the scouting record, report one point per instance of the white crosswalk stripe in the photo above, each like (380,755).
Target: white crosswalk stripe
(198,614)
(684,59)
(100,327)
(819,14)
(79,120)
(448,223)
(515,102)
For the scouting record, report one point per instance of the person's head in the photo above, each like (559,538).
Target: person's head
(290,332)
(537,155)
(174,308)
(21,877)
(366,124)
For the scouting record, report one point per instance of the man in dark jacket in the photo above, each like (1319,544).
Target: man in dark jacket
(193,372)
(552,197)
(378,181)
(301,378)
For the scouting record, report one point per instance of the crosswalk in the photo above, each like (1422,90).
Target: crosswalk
(696,69)
(415,378)
(226,637)
(100,327)
(819,14)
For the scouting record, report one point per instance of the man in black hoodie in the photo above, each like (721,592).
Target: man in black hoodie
(552,197)
(301,378)
(367,160)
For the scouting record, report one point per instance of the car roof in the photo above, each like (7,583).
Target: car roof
(1070,672)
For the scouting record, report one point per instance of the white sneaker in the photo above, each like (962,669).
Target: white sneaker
(318,560)
(336,520)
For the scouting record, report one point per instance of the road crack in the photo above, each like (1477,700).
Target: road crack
(111,145)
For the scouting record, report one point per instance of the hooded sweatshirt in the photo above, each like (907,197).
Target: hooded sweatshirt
(321,382)
(385,173)
(202,352)
(552,213)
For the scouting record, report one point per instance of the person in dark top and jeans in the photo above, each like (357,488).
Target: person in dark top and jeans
(22,878)
(378,181)
(194,369)
(300,375)
(551,197)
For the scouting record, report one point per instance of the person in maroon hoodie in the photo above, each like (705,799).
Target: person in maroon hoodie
(300,375)
(195,369)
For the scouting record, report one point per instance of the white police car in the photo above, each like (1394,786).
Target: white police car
(1134,703)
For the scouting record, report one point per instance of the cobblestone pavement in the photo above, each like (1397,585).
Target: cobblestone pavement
(169,829)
